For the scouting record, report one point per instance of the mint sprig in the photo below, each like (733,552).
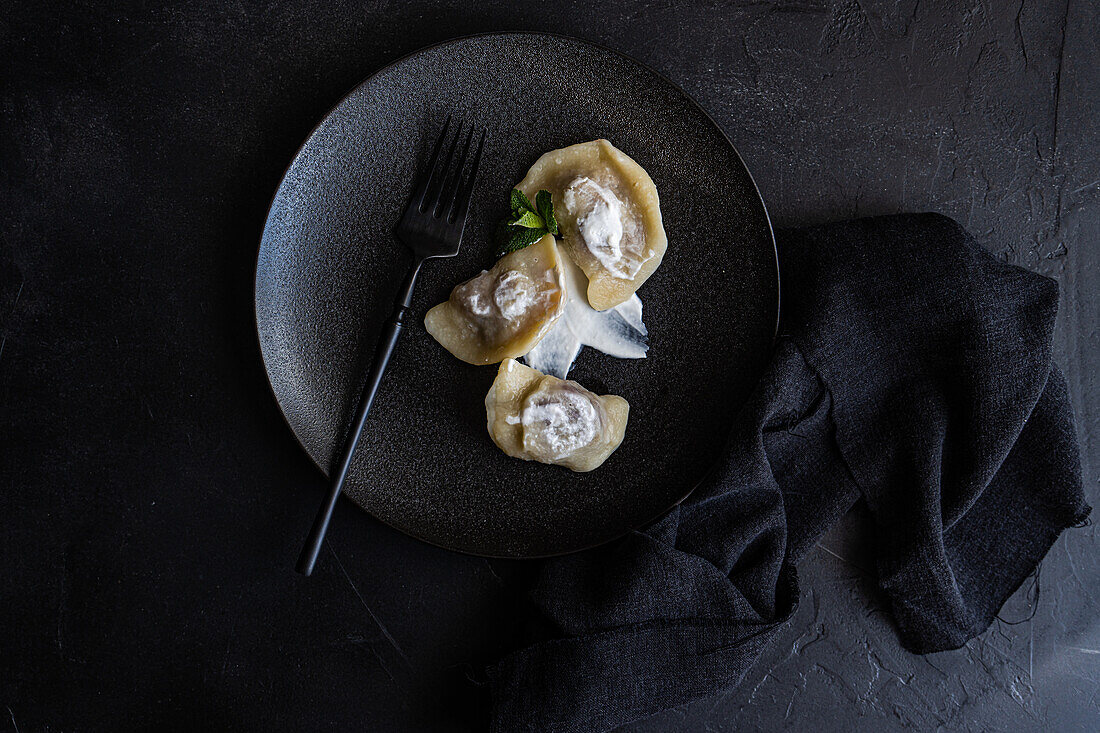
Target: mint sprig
(528,223)
(529,220)
(520,202)
(544,201)
(516,238)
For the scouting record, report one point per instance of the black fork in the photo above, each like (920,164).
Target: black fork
(431,226)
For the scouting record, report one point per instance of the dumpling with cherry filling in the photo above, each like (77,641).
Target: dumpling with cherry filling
(504,312)
(537,417)
(609,213)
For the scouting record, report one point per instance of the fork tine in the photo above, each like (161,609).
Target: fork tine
(439,176)
(454,181)
(460,206)
(416,200)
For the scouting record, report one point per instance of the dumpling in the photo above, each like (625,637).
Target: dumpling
(504,312)
(542,418)
(609,213)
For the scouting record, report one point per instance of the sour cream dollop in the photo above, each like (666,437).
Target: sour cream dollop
(514,294)
(559,423)
(599,214)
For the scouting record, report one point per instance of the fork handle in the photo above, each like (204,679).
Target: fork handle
(382,353)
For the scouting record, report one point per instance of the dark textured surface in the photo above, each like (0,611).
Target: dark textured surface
(152,502)
(329,267)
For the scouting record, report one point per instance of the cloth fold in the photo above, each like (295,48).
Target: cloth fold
(912,372)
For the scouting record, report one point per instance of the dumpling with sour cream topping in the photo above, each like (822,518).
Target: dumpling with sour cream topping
(538,417)
(503,312)
(609,213)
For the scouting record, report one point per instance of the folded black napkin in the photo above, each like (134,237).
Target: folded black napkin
(913,372)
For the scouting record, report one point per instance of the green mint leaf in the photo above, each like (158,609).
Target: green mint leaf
(529,220)
(545,202)
(527,224)
(520,237)
(520,203)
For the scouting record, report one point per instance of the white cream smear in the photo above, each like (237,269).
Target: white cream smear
(617,332)
(558,424)
(476,304)
(513,295)
(599,215)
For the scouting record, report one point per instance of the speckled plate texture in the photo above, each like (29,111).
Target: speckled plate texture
(329,267)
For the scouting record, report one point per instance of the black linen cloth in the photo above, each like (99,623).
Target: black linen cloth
(912,372)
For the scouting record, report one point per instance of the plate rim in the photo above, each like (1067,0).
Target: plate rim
(378,72)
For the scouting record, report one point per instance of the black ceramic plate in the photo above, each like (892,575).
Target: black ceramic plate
(329,267)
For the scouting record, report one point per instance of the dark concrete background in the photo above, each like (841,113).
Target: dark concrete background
(152,502)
